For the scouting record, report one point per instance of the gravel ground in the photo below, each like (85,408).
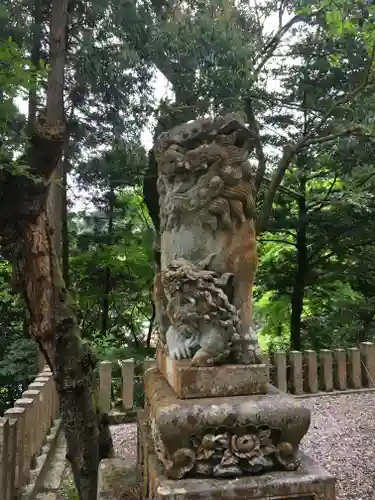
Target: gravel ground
(125,441)
(341,438)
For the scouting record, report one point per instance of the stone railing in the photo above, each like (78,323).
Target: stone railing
(300,373)
(26,432)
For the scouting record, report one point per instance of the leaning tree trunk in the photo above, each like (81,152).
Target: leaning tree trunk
(26,238)
(301,273)
(53,325)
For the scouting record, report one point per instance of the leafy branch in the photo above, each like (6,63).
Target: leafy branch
(319,206)
(272,45)
(291,150)
(283,242)
(331,253)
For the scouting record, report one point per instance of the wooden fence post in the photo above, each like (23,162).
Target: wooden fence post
(12,458)
(340,369)
(44,379)
(368,363)
(105,385)
(311,371)
(42,427)
(51,393)
(280,366)
(27,404)
(36,428)
(18,415)
(354,366)
(297,371)
(5,473)
(326,370)
(127,373)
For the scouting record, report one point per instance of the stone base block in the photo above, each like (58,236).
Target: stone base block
(309,482)
(215,381)
(223,437)
(117,479)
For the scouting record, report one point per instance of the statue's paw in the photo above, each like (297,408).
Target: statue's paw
(180,352)
(203,358)
(179,345)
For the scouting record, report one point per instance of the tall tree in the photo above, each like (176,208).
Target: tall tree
(111,244)
(221,55)
(26,240)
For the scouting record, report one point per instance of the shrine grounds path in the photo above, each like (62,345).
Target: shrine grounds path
(341,438)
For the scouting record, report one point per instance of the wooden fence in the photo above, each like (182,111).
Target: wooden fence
(300,373)
(23,432)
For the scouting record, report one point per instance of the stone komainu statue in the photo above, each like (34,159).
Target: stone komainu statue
(206,243)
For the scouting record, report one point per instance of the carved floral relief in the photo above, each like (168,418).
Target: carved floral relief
(230,453)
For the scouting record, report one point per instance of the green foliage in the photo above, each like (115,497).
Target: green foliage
(128,256)
(70,492)
(16,72)
(274,312)
(18,354)
(213,54)
(348,18)
(339,240)
(14,80)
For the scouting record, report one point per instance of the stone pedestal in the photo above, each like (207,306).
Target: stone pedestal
(309,482)
(197,442)
(189,382)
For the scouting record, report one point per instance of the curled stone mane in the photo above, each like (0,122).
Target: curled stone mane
(197,299)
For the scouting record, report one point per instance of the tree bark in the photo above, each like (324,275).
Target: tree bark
(26,239)
(54,209)
(35,59)
(301,272)
(64,202)
(107,272)
(53,325)
(64,222)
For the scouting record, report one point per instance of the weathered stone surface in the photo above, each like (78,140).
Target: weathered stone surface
(309,482)
(208,257)
(46,496)
(206,382)
(223,436)
(56,465)
(117,480)
(144,449)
